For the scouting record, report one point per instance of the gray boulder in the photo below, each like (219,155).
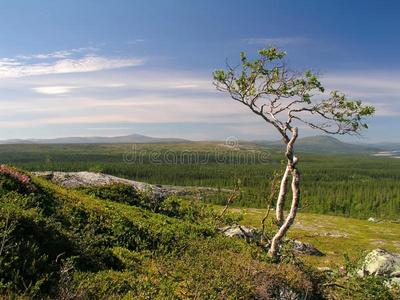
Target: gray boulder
(241,231)
(373,220)
(380,262)
(306,248)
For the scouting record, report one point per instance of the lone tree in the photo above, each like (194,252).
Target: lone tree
(284,98)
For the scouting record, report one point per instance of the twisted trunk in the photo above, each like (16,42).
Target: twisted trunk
(295,186)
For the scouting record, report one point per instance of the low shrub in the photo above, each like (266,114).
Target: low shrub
(108,243)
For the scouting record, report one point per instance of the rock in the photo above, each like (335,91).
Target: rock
(241,231)
(395,280)
(305,248)
(373,220)
(76,179)
(381,262)
(395,274)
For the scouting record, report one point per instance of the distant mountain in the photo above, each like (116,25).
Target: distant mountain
(128,139)
(323,144)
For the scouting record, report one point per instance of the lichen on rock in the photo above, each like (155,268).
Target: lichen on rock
(380,262)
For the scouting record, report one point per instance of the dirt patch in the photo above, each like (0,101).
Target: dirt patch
(377,242)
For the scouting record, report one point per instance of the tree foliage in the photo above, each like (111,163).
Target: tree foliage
(280,95)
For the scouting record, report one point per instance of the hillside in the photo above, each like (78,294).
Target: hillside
(312,144)
(128,139)
(325,144)
(112,242)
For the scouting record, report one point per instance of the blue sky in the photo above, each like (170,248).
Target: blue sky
(109,68)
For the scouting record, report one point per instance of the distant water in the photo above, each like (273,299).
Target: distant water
(394,154)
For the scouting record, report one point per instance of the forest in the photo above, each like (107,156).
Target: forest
(354,185)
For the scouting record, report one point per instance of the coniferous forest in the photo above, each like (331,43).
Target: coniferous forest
(356,185)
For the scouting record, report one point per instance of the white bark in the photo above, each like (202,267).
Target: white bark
(291,168)
(282,197)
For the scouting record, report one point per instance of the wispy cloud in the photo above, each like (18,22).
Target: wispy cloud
(275,41)
(370,83)
(114,85)
(53,90)
(187,86)
(109,128)
(59,54)
(9,62)
(381,90)
(137,41)
(10,68)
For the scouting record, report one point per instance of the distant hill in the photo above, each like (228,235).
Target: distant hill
(385,146)
(323,144)
(128,139)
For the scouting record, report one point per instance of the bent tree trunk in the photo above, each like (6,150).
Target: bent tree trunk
(295,186)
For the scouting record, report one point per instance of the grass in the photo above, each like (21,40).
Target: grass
(332,235)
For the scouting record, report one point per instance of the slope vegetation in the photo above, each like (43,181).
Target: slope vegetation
(112,242)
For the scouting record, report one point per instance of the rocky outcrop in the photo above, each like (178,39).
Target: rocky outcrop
(380,262)
(159,192)
(76,179)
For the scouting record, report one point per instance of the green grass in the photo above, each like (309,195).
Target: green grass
(332,235)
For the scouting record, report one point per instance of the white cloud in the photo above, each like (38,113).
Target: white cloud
(137,41)
(255,129)
(371,82)
(8,62)
(89,63)
(173,80)
(114,85)
(124,80)
(59,54)
(109,128)
(53,90)
(381,90)
(184,86)
(275,41)
(85,49)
